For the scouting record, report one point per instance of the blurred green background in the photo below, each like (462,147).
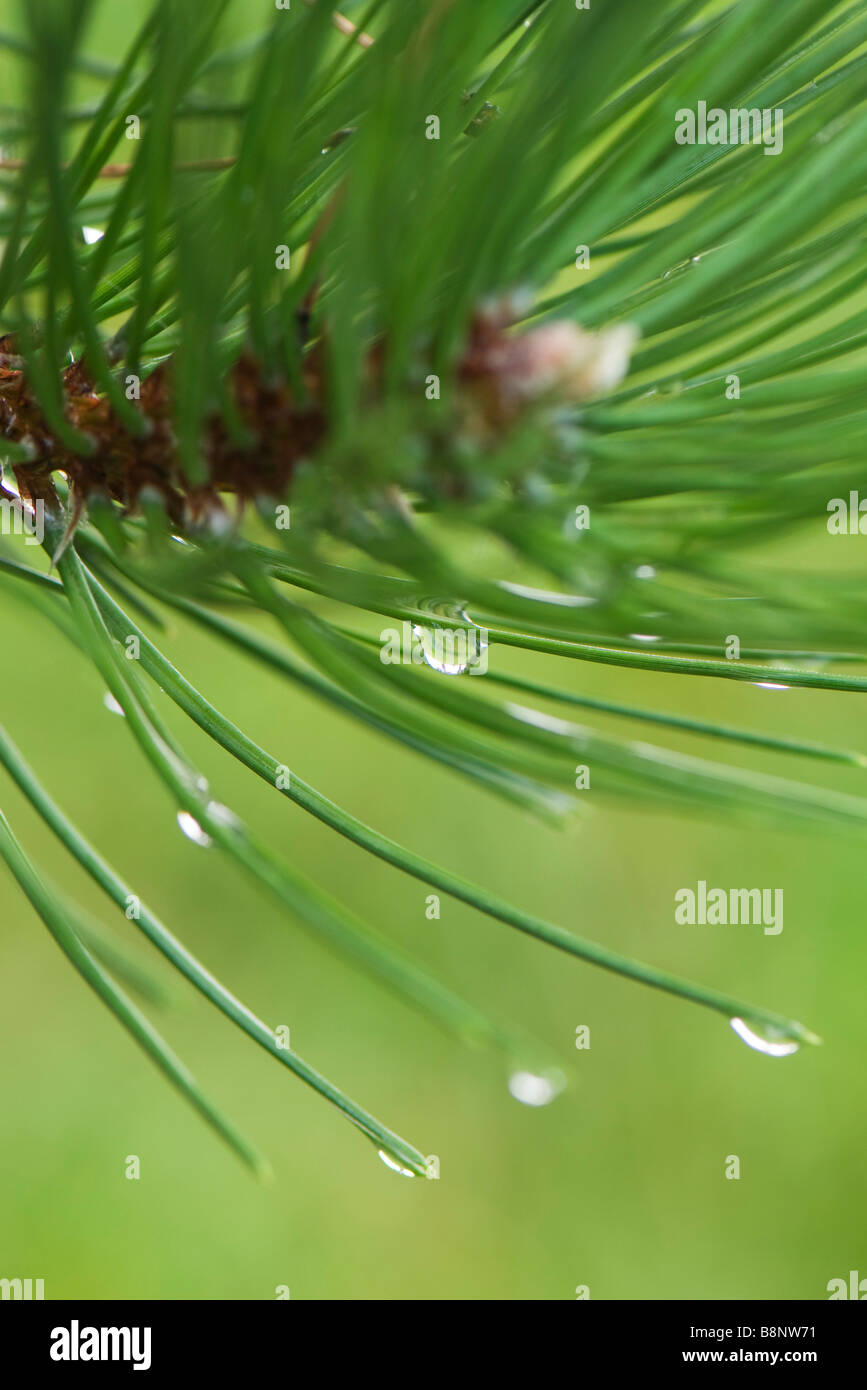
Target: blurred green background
(619,1184)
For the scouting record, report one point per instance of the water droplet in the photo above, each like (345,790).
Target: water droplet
(111,704)
(643,637)
(774,1042)
(450,650)
(193,831)
(535,1088)
(645,572)
(770,685)
(442,649)
(391,1162)
(92,234)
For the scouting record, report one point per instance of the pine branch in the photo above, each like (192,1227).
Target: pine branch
(525,370)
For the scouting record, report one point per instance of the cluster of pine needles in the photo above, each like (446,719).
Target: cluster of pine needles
(369,308)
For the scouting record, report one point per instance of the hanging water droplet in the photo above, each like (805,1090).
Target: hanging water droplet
(391,1162)
(92,235)
(535,1088)
(444,650)
(193,831)
(774,1042)
(643,637)
(770,685)
(111,704)
(645,572)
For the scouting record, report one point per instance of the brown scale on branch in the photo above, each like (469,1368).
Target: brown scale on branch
(282,431)
(501,375)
